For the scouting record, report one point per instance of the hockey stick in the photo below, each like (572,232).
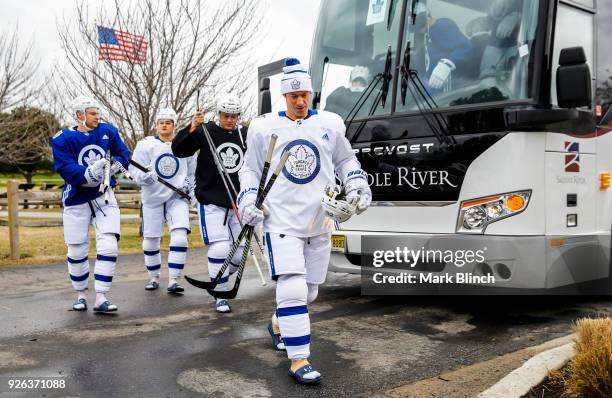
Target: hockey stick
(123,170)
(224,174)
(230,294)
(161,180)
(243,233)
(104,187)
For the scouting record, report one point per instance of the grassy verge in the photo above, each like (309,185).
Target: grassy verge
(37,179)
(589,373)
(46,245)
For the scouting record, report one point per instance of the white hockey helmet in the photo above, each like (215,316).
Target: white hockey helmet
(336,208)
(229,103)
(166,114)
(80,104)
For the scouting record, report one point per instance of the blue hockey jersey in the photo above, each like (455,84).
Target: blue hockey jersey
(73,151)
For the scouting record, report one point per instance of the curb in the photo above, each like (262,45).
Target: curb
(518,382)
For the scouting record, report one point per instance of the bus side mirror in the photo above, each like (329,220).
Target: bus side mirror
(265,99)
(573,79)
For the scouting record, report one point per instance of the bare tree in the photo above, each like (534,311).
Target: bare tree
(195,50)
(17,68)
(24,141)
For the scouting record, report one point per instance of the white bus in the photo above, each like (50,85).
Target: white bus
(481,124)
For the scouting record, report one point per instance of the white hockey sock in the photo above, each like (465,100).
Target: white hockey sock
(106,259)
(292,314)
(152,257)
(78,265)
(100,298)
(217,252)
(178,253)
(313,292)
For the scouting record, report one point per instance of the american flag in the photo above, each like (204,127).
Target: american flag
(116,45)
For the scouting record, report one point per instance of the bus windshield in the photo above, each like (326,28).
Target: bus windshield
(461,52)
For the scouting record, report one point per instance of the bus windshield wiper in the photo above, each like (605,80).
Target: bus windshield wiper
(411,82)
(381,97)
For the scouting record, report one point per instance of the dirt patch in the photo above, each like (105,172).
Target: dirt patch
(12,360)
(222,383)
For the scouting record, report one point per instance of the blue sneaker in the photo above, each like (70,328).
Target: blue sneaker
(79,305)
(152,285)
(106,306)
(175,288)
(222,306)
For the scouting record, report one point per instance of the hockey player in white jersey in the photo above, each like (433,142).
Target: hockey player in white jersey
(162,205)
(297,231)
(218,224)
(79,157)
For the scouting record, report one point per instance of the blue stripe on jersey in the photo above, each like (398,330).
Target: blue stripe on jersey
(153,267)
(296,341)
(176,265)
(103,278)
(288,311)
(151,252)
(80,278)
(203,225)
(181,249)
(271,256)
(216,260)
(73,261)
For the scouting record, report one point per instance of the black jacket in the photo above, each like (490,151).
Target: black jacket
(209,187)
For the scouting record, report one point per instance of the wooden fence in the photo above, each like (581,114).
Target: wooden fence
(16,199)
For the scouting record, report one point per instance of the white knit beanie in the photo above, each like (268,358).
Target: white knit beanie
(295,77)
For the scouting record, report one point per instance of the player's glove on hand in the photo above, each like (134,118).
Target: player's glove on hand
(249,214)
(149,178)
(441,73)
(358,190)
(95,173)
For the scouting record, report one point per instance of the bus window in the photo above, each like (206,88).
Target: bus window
(603,91)
(350,48)
(469,51)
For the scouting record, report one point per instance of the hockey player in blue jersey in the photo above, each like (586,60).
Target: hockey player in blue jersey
(78,155)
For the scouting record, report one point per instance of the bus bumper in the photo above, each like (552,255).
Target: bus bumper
(519,262)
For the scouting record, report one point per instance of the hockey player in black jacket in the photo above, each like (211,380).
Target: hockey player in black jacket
(218,223)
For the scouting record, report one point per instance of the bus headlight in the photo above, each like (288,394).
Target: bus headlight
(476,214)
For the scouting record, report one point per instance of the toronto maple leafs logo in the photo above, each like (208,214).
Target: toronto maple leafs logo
(89,154)
(295,84)
(303,163)
(231,156)
(166,166)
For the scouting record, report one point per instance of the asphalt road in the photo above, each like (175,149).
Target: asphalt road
(165,346)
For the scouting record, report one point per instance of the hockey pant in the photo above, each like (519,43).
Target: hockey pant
(219,228)
(106,220)
(299,265)
(174,212)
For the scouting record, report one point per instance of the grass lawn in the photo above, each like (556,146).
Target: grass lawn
(43,245)
(37,179)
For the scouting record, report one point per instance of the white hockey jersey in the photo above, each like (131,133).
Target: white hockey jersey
(156,154)
(318,148)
